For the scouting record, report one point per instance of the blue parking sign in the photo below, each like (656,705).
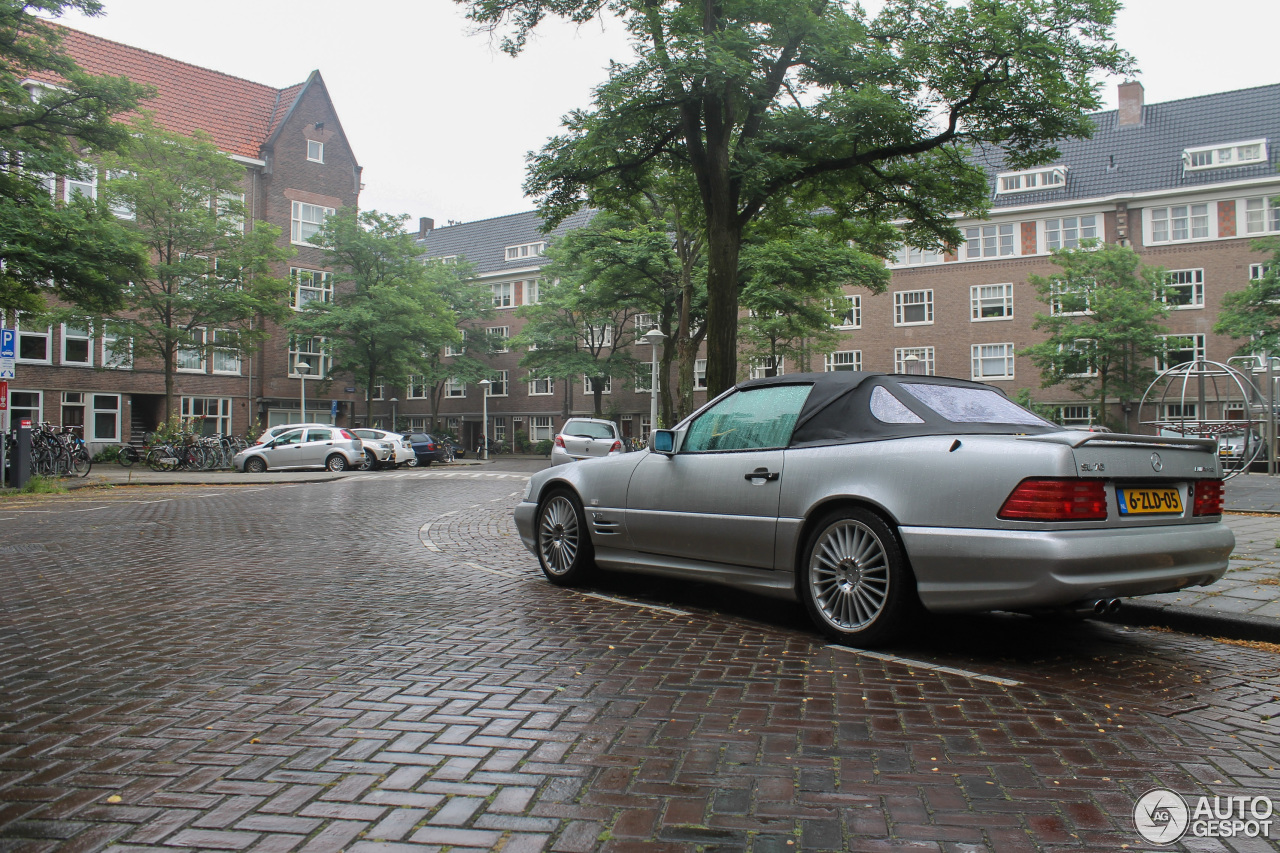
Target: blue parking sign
(7,337)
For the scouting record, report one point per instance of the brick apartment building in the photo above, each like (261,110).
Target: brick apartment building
(1188,184)
(298,167)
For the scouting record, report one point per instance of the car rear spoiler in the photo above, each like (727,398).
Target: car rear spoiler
(1079,439)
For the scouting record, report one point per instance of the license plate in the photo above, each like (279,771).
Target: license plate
(1139,501)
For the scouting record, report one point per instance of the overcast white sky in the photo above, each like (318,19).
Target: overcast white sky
(441,120)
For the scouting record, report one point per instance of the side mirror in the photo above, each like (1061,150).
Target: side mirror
(664,442)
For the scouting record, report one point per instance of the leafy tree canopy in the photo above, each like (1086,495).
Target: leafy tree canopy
(1254,313)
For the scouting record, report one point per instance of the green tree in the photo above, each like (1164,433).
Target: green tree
(1104,324)
(78,247)
(383,325)
(815,102)
(1254,313)
(211,282)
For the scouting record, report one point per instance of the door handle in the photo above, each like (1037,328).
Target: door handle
(762,474)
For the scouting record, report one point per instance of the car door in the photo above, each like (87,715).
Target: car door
(286,450)
(318,446)
(717,499)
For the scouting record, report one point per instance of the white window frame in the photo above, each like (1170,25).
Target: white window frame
(222,210)
(1068,232)
(905,299)
(20,334)
(524,251)
(643,379)
(983,297)
(1075,415)
(1204,157)
(925,355)
(303,219)
(496,334)
(605,333)
(217,409)
(122,209)
(1197,223)
(1092,362)
(315,151)
(1059,287)
(318,284)
(500,383)
(72,186)
(586,385)
(37,415)
(532,291)
(94,409)
(645,322)
(223,360)
(910,256)
(417,388)
(842,360)
(990,240)
(503,294)
(851,315)
(454,388)
(460,348)
(700,373)
(542,428)
(315,354)
(541,386)
(1190,280)
(1197,349)
(1031,180)
(1180,411)
(1257,272)
(115,356)
(77,333)
(1261,216)
(762,364)
(991,356)
(197,352)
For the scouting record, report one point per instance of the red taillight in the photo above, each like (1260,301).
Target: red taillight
(348,435)
(617,447)
(1207,498)
(430,447)
(1056,500)
(559,441)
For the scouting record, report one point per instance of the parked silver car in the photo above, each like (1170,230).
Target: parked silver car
(865,495)
(320,446)
(377,451)
(585,438)
(400,450)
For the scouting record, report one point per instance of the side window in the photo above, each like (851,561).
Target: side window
(290,438)
(319,435)
(756,419)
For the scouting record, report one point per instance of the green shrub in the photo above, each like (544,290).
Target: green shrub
(543,448)
(39,485)
(110,453)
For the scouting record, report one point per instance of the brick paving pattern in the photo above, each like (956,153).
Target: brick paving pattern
(376,664)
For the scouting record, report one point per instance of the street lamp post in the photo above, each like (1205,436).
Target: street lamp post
(302,369)
(484,418)
(394,400)
(653,337)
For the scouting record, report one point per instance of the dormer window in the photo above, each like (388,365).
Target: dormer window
(1029,180)
(1223,156)
(528,250)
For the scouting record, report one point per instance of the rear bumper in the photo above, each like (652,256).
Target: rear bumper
(964,569)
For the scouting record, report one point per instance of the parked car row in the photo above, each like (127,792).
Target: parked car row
(337,449)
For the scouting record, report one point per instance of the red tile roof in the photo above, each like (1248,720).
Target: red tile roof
(239,114)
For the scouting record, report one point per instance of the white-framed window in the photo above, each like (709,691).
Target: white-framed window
(532,291)
(306,221)
(225,351)
(502,294)
(588,385)
(1261,216)
(499,429)
(117,351)
(1222,156)
(309,286)
(992,361)
(644,378)
(379,389)
(989,241)
(541,386)
(1181,349)
(85,183)
(913,360)
(1185,288)
(73,410)
(699,373)
(541,428)
(104,418)
(847,311)
(189,358)
(1180,411)
(1179,223)
(498,337)
(1069,298)
(843,360)
(26,405)
(457,349)
(498,383)
(598,337)
(769,365)
(1066,232)
(310,351)
(990,302)
(1082,352)
(229,209)
(1029,180)
(455,388)
(213,414)
(315,151)
(1257,272)
(526,250)
(34,344)
(417,387)
(910,256)
(121,207)
(1080,417)
(77,344)
(645,322)
(913,308)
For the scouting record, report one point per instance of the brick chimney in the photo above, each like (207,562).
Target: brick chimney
(425,226)
(1130,104)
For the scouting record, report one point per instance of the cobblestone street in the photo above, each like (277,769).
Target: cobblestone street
(375,663)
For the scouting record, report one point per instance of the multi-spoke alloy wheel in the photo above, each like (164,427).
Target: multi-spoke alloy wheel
(856,585)
(564,545)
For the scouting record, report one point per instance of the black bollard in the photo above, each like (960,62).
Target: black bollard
(20,467)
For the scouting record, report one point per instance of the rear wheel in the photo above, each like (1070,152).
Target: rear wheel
(81,462)
(128,455)
(368,463)
(563,543)
(412,461)
(855,581)
(337,462)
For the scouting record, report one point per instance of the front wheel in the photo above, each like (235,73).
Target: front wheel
(81,462)
(336,463)
(255,465)
(563,542)
(855,581)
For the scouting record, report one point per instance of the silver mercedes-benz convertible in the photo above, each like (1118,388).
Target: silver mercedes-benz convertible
(867,495)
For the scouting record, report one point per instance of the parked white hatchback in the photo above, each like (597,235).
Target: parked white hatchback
(585,438)
(402,450)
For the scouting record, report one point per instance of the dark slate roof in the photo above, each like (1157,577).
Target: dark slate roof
(483,243)
(1148,157)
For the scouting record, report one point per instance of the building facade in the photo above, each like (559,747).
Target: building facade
(298,167)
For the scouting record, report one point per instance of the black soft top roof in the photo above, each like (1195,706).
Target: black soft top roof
(838,408)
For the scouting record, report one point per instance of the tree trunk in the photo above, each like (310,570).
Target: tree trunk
(597,392)
(724,241)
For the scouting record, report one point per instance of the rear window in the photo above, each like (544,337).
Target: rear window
(587,429)
(972,405)
(419,438)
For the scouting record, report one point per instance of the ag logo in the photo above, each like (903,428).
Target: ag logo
(1161,816)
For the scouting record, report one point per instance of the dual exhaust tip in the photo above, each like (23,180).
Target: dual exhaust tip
(1103,606)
